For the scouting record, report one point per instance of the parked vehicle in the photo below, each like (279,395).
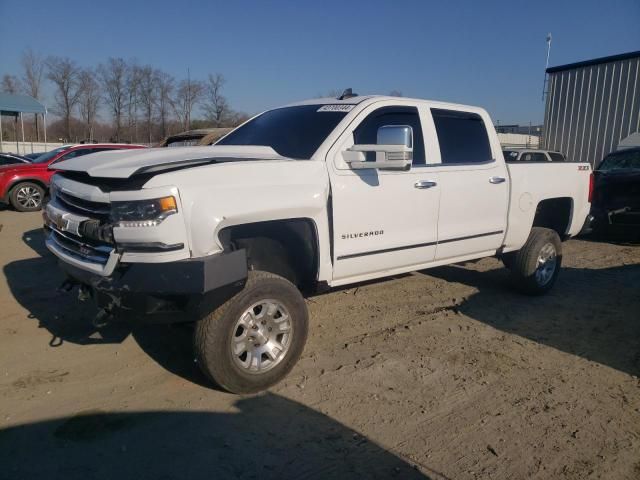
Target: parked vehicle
(32,156)
(317,194)
(191,138)
(12,159)
(25,185)
(616,194)
(532,155)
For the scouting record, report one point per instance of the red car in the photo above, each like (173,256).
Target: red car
(25,185)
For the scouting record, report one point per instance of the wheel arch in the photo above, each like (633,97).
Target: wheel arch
(17,181)
(555,214)
(295,239)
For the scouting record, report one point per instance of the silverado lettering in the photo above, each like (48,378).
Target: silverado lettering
(371,233)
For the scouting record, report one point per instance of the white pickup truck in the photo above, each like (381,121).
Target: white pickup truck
(309,196)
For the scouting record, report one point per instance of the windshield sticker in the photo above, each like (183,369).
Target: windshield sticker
(336,108)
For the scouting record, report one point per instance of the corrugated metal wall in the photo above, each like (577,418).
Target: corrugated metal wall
(590,109)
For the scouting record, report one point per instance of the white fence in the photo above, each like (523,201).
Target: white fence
(22,148)
(518,140)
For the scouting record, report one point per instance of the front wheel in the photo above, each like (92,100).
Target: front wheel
(27,197)
(254,339)
(535,267)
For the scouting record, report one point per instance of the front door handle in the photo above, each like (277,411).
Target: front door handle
(425,184)
(497,180)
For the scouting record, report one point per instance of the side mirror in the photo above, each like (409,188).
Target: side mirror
(394,150)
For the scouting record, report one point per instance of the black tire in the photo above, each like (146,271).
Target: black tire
(530,276)
(215,333)
(27,197)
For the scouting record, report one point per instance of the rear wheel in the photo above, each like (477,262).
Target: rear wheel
(253,340)
(27,197)
(535,267)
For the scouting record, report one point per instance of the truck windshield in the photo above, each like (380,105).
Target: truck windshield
(629,160)
(294,132)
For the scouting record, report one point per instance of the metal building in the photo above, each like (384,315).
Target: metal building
(591,106)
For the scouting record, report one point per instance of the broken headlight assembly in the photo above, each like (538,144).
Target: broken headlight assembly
(143,213)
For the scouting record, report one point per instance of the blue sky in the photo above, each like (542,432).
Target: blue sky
(488,53)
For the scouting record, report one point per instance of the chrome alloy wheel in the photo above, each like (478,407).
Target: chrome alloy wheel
(262,336)
(546,264)
(29,197)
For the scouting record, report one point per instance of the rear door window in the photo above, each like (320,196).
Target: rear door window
(462,136)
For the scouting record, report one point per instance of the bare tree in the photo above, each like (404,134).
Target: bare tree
(10,84)
(215,105)
(64,73)
(188,94)
(236,118)
(33,65)
(148,79)
(113,76)
(133,91)
(89,99)
(165,85)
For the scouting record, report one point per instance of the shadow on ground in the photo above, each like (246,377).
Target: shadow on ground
(268,437)
(592,313)
(34,283)
(616,234)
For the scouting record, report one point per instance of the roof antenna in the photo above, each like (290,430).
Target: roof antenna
(348,93)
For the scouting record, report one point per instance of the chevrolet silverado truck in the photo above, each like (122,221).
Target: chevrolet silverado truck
(299,199)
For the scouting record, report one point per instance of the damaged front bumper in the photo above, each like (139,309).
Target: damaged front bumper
(163,292)
(130,271)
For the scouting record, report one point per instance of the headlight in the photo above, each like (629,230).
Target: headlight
(143,213)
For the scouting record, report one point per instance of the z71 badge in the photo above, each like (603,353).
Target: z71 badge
(371,233)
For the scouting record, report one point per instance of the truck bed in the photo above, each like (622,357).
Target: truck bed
(532,183)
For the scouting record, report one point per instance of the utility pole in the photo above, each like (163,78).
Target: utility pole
(544,84)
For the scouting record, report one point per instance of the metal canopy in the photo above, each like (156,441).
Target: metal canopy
(13,104)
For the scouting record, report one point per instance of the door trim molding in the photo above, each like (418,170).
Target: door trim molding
(418,245)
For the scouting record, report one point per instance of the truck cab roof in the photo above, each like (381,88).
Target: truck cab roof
(365,99)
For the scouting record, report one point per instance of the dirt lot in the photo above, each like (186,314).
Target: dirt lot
(439,374)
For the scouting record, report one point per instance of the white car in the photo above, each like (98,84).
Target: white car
(532,155)
(302,198)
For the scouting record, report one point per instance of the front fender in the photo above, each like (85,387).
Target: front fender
(218,196)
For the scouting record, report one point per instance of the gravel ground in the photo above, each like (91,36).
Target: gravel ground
(441,374)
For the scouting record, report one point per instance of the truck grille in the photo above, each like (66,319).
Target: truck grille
(78,247)
(98,210)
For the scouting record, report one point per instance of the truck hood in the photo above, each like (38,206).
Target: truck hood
(125,163)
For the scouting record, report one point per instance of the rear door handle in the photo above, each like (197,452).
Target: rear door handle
(425,184)
(497,180)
